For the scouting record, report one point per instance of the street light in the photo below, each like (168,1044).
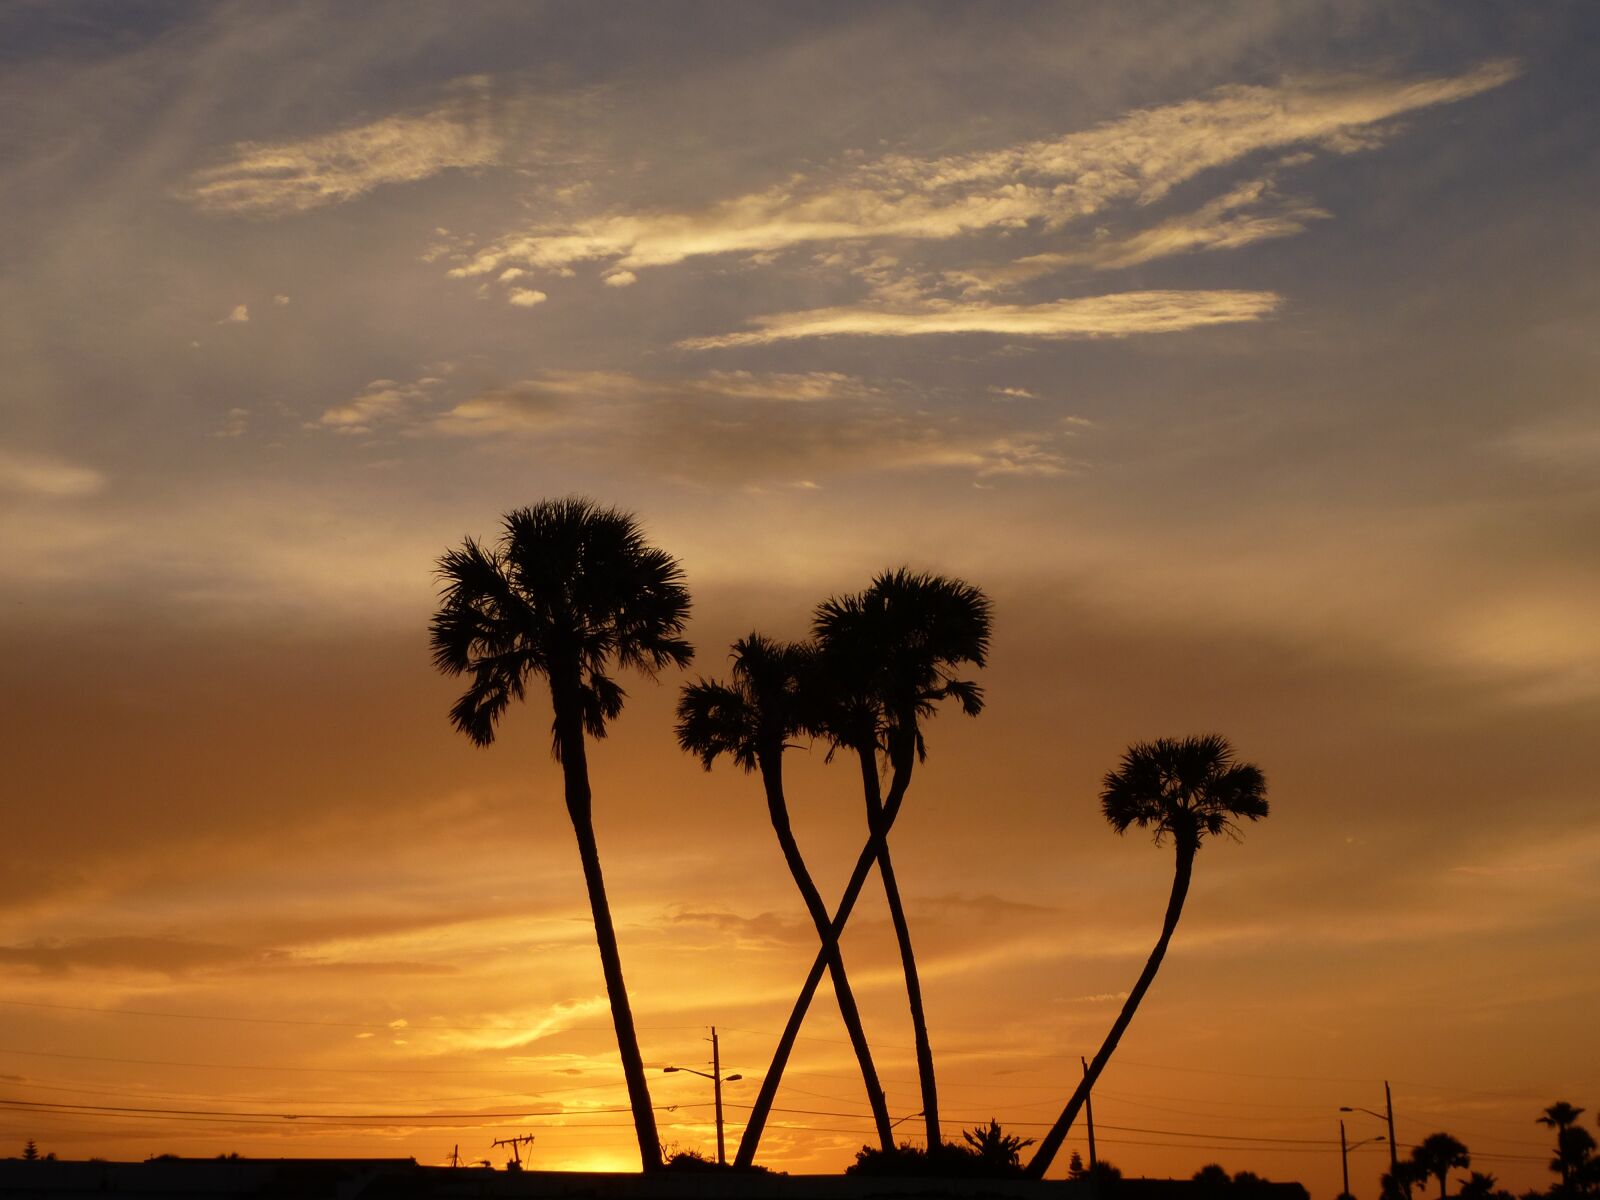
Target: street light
(1345,1148)
(1386,1116)
(717,1080)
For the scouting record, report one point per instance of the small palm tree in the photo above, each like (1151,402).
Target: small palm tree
(886,658)
(996,1149)
(569,590)
(1185,789)
(751,719)
(1438,1154)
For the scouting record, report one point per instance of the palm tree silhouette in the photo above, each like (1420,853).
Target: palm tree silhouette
(1186,789)
(1438,1154)
(886,658)
(1561,1116)
(569,590)
(751,719)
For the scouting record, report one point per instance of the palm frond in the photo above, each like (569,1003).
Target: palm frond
(715,719)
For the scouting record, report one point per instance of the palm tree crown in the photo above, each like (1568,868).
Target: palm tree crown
(569,588)
(890,654)
(1559,1115)
(755,713)
(1183,787)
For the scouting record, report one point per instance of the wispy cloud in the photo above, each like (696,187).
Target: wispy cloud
(1117,315)
(731,426)
(42,475)
(268,179)
(1249,213)
(1134,160)
(381,401)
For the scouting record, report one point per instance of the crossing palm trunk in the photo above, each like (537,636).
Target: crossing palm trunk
(902,933)
(777,809)
(780,1057)
(1040,1163)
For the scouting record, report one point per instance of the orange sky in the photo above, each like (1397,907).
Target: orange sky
(1243,362)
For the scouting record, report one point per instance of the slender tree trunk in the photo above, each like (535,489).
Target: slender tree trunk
(772,779)
(780,1057)
(1040,1163)
(905,757)
(575,773)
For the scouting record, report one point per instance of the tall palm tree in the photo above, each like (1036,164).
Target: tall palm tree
(1185,789)
(1438,1154)
(751,719)
(888,657)
(568,591)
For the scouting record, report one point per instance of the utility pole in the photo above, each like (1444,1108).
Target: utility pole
(716,1088)
(514,1142)
(1088,1112)
(1344,1158)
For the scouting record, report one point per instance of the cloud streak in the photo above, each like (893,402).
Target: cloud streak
(788,428)
(272,179)
(1111,316)
(42,475)
(1133,160)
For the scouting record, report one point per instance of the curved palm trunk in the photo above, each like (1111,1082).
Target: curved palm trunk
(777,809)
(780,1057)
(575,775)
(1040,1163)
(902,933)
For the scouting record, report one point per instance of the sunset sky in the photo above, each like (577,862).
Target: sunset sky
(1244,354)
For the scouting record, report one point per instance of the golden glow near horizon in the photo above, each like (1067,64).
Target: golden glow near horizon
(1245,362)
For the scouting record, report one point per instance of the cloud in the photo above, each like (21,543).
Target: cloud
(1116,315)
(526,297)
(1133,160)
(1251,212)
(40,475)
(236,423)
(270,179)
(175,956)
(162,954)
(239,316)
(380,401)
(788,428)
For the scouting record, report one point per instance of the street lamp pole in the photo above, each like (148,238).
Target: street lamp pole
(1387,1115)
(717,1080)
(1344,1158)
